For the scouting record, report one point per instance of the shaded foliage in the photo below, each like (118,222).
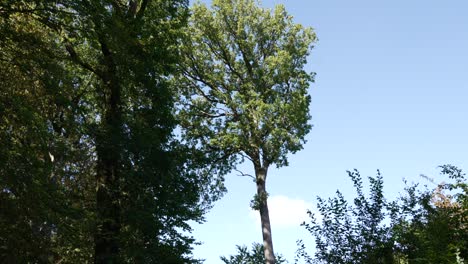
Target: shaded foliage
(90,168)
(431,225)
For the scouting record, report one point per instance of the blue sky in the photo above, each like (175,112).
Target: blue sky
(391,93)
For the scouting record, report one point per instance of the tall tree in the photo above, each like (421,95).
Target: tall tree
(246,88)
(92,116)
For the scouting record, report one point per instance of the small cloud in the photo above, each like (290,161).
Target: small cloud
(284,211)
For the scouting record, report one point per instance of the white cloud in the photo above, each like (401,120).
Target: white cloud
(284,211)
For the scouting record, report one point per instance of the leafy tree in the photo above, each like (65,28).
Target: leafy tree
(352,233)
(245,89)
(46,195)
(255,256)
(431,224)
(90,167)
(420,227)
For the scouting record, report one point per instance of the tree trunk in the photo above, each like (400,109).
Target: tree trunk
(109,149)
(261,174)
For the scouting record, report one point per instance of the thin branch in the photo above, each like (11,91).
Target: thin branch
(193,78)
(246,156)
(74,56)
(223,55)
(23,10)
(69,47)
(205,114)
(240,46)
(244,174)
(224,156)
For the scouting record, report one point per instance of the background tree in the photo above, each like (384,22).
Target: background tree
(246,93)
(255,256)
(88,153)
(431,224)
(427,226)
(352,234)
(46,189)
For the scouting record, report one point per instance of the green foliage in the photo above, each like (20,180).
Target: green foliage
(255,256)
(86,129)
(431,225)
(46,208)
(258,200)
(353,233)
(244,86)
(420,227)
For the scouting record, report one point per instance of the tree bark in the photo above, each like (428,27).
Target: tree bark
(109,149)
(261,174)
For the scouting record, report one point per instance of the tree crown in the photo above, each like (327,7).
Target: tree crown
(247,87)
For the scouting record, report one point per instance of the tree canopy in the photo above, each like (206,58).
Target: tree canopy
(90,166)
(245,86)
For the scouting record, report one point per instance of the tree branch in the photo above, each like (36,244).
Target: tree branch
(74,57)
(244,174)
(193,78)
(141,12)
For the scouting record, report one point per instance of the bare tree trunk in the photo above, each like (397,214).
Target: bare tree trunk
(261,174)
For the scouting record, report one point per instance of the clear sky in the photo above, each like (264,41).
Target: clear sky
(391,93)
